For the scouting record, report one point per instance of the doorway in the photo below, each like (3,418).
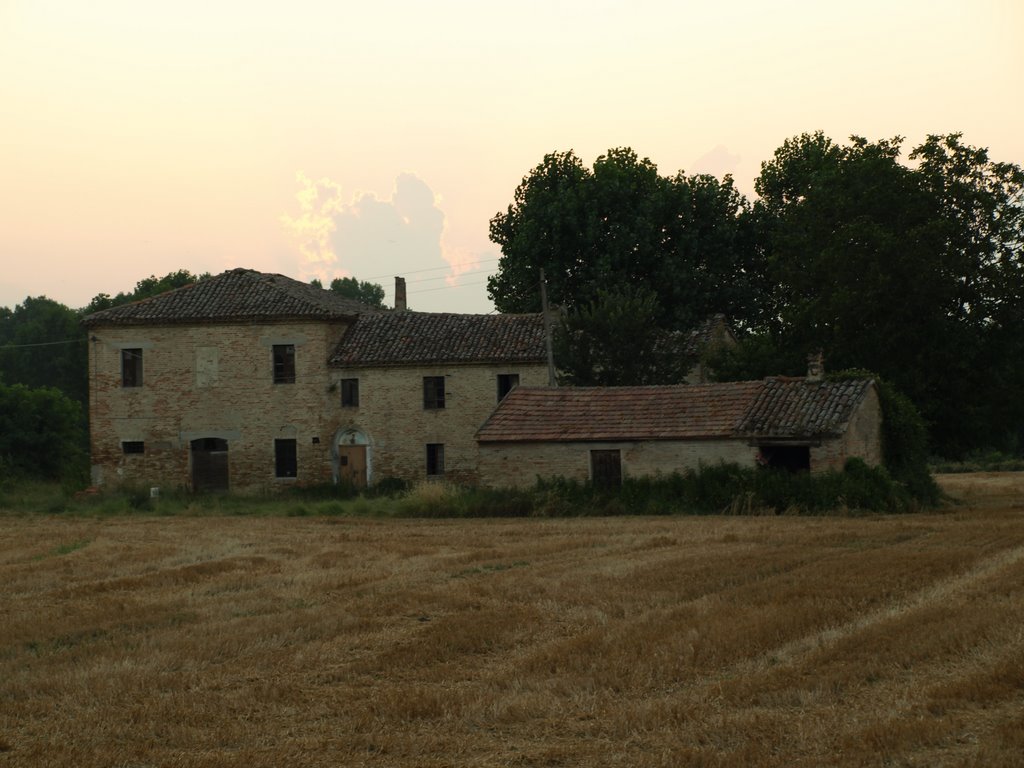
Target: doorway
(209,464)
(352,465)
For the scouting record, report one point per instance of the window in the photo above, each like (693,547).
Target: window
(133,446)
(286,462)
(506,383)
(284,363)
(606,469)
(433,392)
(131,367)
(350,393)
(435,459)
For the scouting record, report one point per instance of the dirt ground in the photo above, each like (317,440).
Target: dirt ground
(704,641)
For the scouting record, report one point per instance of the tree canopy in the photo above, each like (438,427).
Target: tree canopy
(684,239)
(144,289)
(914,272)
(911,268)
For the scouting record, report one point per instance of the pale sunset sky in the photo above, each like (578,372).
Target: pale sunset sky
(324,139)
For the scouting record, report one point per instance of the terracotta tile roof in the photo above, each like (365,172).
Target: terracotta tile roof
(773,408)
(236,295)
(619,413)
(397,338)
(797,408)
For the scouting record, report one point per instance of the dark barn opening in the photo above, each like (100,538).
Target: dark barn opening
(791,458)
(209,464)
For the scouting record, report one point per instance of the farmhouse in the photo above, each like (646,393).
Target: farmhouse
(249,381)
(601,434)
(255,382)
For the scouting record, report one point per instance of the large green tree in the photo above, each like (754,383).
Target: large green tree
(615,340)
(687,240)
(914,272)
(42,434)
(43,345)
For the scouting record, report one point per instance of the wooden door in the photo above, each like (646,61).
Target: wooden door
(352,465)
(209,464)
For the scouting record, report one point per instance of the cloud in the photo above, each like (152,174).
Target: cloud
(369,236)
(319,202)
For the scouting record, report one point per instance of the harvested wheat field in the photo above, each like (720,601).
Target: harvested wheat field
(755,641)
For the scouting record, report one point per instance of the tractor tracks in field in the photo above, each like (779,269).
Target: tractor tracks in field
(943,591)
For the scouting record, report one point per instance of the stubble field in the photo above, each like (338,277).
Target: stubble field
(753,641)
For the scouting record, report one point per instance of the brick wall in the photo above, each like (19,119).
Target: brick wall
(210,381)
(520,464)
(862,438)
(392,420)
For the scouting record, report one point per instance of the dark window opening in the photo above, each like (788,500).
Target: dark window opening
(435,459)
(133,446)
(433,392)
(606,469)
(506,383)
(131,367)
(284,363)
(791,458)
(350,393)
(286,461)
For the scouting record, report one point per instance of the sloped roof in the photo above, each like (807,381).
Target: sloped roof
(795,407)
(773,408)
(236,295)
(408,338)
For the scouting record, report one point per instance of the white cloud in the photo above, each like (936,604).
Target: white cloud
(369,236)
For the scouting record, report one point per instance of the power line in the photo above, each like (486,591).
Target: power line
(44,343)
(428,269)
(449,287)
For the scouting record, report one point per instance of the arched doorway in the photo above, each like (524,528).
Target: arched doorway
(352,458)
(209,464)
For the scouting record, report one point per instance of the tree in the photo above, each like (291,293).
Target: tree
(144,289)
(688,240)
(615,341)
(366,292)
(914,273)
(42,433)
(43,345)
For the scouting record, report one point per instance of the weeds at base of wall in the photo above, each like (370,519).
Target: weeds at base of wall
(719,489)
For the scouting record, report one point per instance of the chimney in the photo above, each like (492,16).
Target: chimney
(816,366)
(399,293)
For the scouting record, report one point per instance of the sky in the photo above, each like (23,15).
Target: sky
(330,139)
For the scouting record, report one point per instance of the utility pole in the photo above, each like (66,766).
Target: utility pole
(547,329)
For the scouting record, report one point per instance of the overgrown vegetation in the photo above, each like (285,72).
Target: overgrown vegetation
(717,489)
(42,435)
(980,461)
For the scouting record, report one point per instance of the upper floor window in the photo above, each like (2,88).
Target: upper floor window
(131,367)
(350,393)
(133,446)
(506,383)
(433,392)
(284,363)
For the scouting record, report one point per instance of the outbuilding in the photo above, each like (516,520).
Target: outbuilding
(602,434)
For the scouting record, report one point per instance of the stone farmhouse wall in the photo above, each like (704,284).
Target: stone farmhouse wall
(520,464)
(211,381)
(862,438)
(393,423)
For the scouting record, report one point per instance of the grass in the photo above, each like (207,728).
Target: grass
(223,639)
